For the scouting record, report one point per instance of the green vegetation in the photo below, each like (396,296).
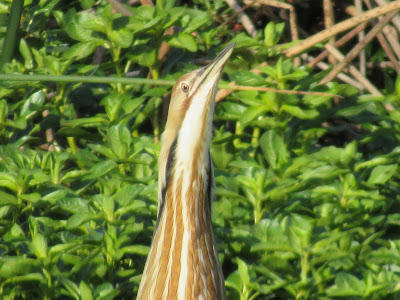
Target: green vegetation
(307,186)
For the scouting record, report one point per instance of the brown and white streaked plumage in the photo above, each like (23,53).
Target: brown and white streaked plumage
(183,260)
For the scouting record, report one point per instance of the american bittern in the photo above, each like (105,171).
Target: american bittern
(183,260)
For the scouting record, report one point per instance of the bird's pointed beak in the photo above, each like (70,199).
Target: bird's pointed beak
(214,68)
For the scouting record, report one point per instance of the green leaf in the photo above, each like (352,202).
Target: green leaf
(299,112)
(247,78)
(243,271)
(119,140)
(70,286)
(8,181)
(144,55)
(18,265)
(184,41)
(6,198)
(77,132)
(3,111)
(26,53)
(252,113)
(79,219)
(85,291)
(136,249)
(381,174)
(346,285)
(33,104)
(272,33)
(108,207)
(321,172)
(122,38)
(200,19)
(101,169)
(242,40)
(274,149)
(298,229)
(82,49)
(39,246)
(74,26)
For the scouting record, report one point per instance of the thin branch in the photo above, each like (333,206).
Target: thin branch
(340,27)
(353,71)
(396,19)
(361,36)
(292,18)
(390,51)
(109,80)
(324,66)
(10,39)
(244,19)
(329,20)
(267,89)
(356,50)
(347,37)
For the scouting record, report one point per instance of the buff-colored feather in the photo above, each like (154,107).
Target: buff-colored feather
(183,260)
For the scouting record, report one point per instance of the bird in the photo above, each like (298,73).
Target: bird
(183,259)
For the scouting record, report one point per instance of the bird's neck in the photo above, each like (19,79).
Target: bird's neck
(183,254)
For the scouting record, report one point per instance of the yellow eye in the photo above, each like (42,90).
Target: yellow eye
(185,87)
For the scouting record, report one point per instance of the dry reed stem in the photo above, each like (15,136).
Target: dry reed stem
(324,66)
(342,26)
(243,18)
(118,7)
(361,36)
(292,18)
(388,51)
(329,20)
(382,40)
(354,71)
(356,50)
(343,40)
(396,19)
(225,92)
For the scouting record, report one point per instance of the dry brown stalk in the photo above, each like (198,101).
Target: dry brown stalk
(354,71)
(388,51)
(356,50)
(324,66)
(292,17)
(342,26)
(347,37)
(243,18)
(382,40)
(118,7)
(329,19)
(361,36)
(225,92)
(396,19)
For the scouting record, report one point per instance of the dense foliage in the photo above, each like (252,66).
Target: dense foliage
(307,186)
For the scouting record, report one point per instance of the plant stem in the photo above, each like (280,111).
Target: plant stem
(10,38)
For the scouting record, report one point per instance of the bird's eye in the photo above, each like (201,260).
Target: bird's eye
(185,87)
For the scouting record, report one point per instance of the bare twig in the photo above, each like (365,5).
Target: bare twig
(118,7)
(349,23)
(347,37)
(356,50)
(324,66)
(329,18)
(396,19)
(361,36)
(354,71)
(225,92)
(292,17)
(244,19)
(381,38)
